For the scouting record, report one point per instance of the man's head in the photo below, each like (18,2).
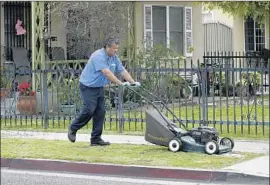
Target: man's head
(111,46)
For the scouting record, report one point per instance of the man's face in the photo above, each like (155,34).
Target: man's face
(111,51)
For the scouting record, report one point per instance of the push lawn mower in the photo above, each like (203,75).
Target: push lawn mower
(160,130)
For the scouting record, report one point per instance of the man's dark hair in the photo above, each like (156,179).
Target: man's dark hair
(111,40)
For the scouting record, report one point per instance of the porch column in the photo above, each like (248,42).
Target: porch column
(131,34)
(1,31)
(38,47)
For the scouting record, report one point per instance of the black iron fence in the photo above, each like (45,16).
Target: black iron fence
(227,91)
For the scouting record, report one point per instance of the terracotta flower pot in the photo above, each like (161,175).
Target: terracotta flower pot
(27,105)
(4,93)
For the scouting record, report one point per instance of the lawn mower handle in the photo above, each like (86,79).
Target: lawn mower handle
(132,87)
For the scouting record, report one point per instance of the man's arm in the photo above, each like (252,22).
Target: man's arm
(111,76)
(127,76)
(120,69)
(100,65)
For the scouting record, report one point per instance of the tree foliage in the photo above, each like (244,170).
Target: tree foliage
(259,10)
(87,24)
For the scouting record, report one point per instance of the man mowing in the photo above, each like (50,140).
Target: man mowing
(98,72)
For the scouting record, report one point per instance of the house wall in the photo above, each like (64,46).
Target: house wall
(58,27)
(239,38)
(237,25)
(239,34)
(223,18)
(217,16)
(197,26)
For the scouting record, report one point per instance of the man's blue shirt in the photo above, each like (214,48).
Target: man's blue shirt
(92,75)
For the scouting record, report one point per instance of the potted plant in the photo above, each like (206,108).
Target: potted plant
(53,98)
(5,86)
(27,100)
(249,84)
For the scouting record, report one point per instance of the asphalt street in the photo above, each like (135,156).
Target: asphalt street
(19,177)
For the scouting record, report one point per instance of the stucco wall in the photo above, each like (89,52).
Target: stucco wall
(239,34)
(223,17)
(197,31)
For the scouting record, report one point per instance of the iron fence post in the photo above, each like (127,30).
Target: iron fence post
(45,99)
(120,108)
(204,95)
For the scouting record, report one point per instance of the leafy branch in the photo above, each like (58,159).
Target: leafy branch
(259,10)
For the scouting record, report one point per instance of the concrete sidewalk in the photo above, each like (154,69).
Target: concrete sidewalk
(240,145)
(258,167)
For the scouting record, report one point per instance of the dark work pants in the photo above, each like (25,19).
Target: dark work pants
(93,107)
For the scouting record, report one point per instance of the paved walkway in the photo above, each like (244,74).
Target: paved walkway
(258,167)
(240,145)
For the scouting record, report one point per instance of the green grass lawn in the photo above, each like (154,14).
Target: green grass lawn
(116,154)
(230,113)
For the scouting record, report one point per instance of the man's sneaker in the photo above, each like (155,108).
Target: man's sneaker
(99,142)
(71,135)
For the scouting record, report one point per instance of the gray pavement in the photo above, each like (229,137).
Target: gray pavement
(20,177)
(258,167)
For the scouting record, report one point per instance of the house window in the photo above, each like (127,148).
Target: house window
(176,27)
(159,25)
(254,35)
(170,26)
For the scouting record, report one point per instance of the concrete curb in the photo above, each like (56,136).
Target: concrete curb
(122,170)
